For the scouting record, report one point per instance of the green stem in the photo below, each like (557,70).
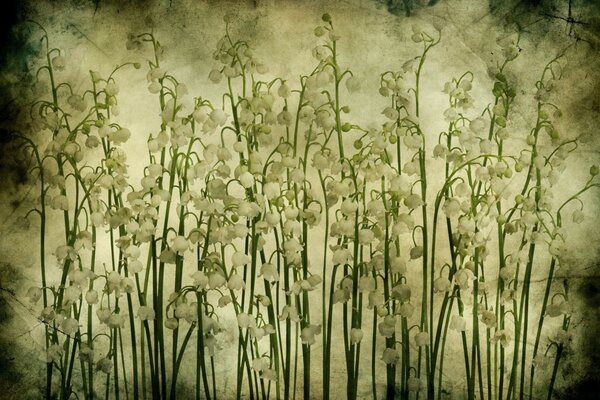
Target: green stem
(173,392)
(541,322)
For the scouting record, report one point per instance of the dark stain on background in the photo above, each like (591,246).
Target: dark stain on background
(18,364)
(581,22)
(16,361)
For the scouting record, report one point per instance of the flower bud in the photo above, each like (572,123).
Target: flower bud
(353,84)
(91,297)
(530,140)
(284,91)
(240,259)
(48,314)
(356,335)
(422,339)
(416,252)
(244,320)
(401,292)
(417,37)
(215,76)
(70,326)
(235,282)
(146,313)
(458,323)
(442,284)
(171,323)
(104,365)
(58,63)
(390,356)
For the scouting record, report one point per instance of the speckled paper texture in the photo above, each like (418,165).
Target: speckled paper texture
(374,37)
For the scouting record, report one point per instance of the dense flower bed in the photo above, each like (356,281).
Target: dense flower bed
(270,209)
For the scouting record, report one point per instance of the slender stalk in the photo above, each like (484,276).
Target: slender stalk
(179,358)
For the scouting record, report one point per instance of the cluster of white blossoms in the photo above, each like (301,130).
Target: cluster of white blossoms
(222,220)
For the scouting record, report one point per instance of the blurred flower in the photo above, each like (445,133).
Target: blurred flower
(356,335)
(34,294)
(54,353)
(353,84)
(244,320)
(422,339)
(390,356)
(307,335)
(69,326)
(488,317)
(58,63)
(104,365)
(458,323)
(501,336)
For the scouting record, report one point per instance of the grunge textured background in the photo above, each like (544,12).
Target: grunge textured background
(375,36)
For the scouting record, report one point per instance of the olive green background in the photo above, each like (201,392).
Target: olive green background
(375,38)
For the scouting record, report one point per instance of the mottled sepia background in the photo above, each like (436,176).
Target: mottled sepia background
(375,38)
